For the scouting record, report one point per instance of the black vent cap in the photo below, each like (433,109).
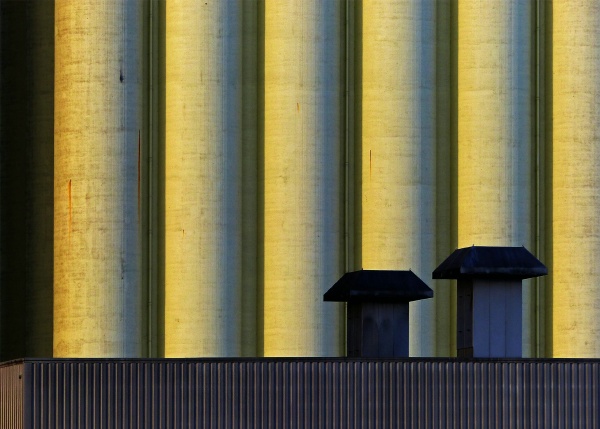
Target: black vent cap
(490,262)
(378,285)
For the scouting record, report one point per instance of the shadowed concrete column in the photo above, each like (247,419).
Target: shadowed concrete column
(26,178)
(203,178)
(39,265)
(303,191)
(250,222)
(98,136)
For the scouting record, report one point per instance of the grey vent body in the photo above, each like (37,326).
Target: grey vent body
(489,318)
(377,329)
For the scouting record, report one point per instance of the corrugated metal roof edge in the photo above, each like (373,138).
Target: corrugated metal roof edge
(303,359)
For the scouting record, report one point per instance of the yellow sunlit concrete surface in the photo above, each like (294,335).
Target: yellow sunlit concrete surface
(218,165)
(303,137)
(97,133)
(496,131)
(576,180)
(398,139)
(203,179)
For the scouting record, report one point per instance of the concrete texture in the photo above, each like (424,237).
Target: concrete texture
(398,148)
(495,131)
(303,193)
(97,125)
(576,179)
(203,175)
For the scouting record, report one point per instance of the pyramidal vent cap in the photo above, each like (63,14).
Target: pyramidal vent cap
(379,285)
(490,262)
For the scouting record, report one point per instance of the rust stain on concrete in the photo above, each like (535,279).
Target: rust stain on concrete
(69,191)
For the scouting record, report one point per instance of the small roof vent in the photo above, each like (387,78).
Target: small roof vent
(377,311)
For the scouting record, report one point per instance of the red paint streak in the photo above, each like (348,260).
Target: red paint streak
(139,175)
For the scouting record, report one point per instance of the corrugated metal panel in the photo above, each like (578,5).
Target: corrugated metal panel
(11,396)
(288,393)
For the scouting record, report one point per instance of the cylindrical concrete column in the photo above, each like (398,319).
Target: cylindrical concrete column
(496,129)
(398,148)
(576,179)
(203,178)
(303,192)
(98,135)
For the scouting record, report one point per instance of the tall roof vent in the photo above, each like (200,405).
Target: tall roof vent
(489,303)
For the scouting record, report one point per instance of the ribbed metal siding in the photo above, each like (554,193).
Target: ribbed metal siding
(11,396)
(321,393)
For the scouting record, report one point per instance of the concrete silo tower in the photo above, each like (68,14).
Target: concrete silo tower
(496,130)
(303,193)
(575,250)
(98,136)
(203,178)
(397,149)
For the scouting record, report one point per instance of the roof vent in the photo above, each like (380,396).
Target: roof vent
(489,304)
(377,312)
